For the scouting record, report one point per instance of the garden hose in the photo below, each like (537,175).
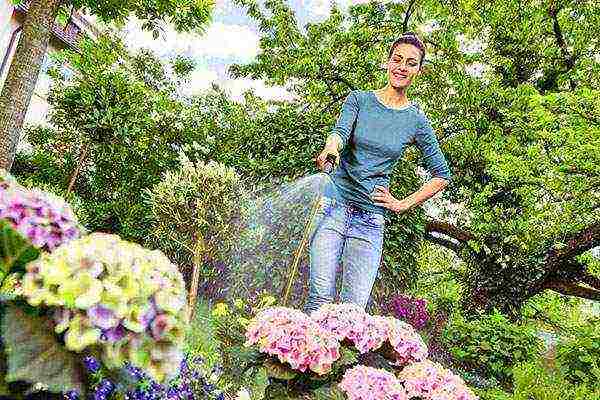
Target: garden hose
(328,169)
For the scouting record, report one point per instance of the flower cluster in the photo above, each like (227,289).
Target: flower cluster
(366,383)
(409,309)
(192,383)
(407,343)
(349,321)
(431,381)
(294,338)
(46,220)
(108,292)
(369,332)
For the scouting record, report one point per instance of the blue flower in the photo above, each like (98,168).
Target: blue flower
(72,395)
(91,364)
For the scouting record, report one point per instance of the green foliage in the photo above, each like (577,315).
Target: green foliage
(119,120)
(277,370)
(200,338)
(242,366)
(15,250)
(491,344)
(578,356)
(34,355)
(440,275)
(540,187)
(554,312)
(532,381)
(187,15)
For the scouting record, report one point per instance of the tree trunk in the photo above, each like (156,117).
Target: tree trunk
(23,74)
(80,162)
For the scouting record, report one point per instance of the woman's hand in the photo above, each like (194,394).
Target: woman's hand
(322,157)
(384,198)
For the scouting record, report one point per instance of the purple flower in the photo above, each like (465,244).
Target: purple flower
(134,371)
(114,334)
(91,364)
(161,324)
(47,221)
(149,315)
(102,317)
(412,310)
(72,395)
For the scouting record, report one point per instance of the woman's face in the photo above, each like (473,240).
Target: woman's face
(403,65)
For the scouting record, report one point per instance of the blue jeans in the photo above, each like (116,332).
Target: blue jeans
(354,237)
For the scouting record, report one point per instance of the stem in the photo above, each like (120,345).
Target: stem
(198,250)
(78,167)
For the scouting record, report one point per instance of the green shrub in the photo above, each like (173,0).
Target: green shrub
(201,336)
(534,382)
(195,212)
(491,344)
(579,357)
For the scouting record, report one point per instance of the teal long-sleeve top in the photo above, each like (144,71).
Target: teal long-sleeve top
(374,137)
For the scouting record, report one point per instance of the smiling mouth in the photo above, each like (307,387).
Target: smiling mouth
(400,76)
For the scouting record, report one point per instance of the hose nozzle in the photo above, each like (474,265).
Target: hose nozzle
(329,163)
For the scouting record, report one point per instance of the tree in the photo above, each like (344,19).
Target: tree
(118,126)
(23,73)
(521,138)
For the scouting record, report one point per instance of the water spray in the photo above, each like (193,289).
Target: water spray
(328,169)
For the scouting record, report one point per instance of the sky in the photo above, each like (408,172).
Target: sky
(231,38)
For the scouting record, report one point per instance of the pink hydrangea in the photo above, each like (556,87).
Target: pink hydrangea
(406,341)
(431,381)
(293,338)
(348,321)
(366,383)
(46,220)
(369,332)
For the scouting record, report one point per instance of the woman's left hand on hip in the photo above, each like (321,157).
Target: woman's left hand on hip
(384,198)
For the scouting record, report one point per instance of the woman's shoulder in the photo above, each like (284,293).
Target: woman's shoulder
(419,113)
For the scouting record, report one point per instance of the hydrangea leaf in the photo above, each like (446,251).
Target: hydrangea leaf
(3,384)
(10,286)
(15,250)
(348,356)
(35,355)
(258,378)
(277,370)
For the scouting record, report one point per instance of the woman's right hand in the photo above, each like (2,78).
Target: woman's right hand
(322,157)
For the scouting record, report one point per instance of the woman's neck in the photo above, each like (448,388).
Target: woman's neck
(393,97)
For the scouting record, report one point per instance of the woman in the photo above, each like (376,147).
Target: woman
(369,137)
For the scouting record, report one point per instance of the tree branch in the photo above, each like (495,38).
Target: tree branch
(578,243)
(448,230)
(572,289)
(590,280)
(568,58)
(443,242)
(408,15)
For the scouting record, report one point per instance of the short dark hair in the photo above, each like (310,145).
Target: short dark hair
(410,38)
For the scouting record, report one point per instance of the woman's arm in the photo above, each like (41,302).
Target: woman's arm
(334,141)
(427,191)
(384,198)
